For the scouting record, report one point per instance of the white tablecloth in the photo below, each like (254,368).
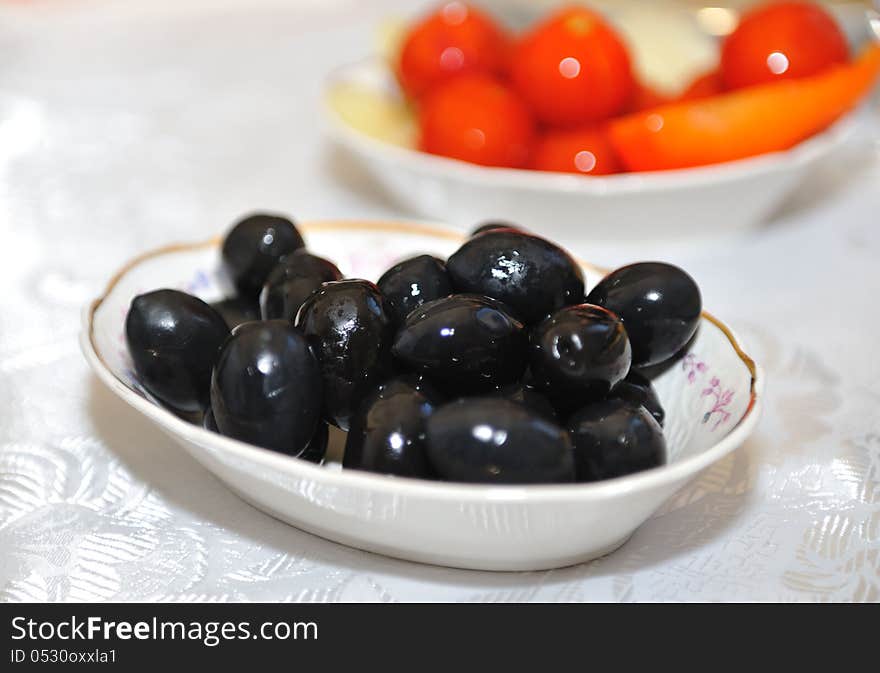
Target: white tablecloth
(124,126)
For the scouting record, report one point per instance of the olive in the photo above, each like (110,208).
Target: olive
(316,449)
(659,304)
(349,327)
(532,276)
(491,440)
(253,247)
(614,437)
(237,310)
(411,283)
(208,421)
(637,389)
(492,226)
(388,435)
(579,351)
(266,387)
(528,396)
(174,340)
(466,340)
(291,282)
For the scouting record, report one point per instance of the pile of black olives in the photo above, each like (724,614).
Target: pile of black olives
(494,366)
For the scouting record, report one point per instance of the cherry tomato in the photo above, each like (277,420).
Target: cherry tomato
(455,39)
(707,84)
(585,151)
(645,98)
(781,40)
(476,118)
(573,69)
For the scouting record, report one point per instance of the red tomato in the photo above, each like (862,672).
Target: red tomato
(646,98)
(573,69)
(707,84)
(781,40)
(455,39)
(476,118)
(585,151)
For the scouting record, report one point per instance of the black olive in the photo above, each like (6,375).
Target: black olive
(637,389)
(174,340)
(316,449)
(659,304)
(614,437)
(208,421)
(469,341)
(253,247)
(237,310)
(291,282)
(388,434)
(348,325)
(266,387)
(532,276)
(411,283)
(580,351)
(528,396)
(492,226)
(491,440)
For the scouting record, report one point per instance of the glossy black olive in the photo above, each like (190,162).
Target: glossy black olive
(174,340)
(292,281)
(253,247)
(350,330)
(469,341)
(492,226)
(659,304)
(388,433)
(266,387)
(532,276)
(208,421)
(614,437)
(237,310)
(528,396)
(580,351)
(637,389)
(411,283)
(491,440)
(316,449)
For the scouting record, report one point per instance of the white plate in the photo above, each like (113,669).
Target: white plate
(571,209)
(712,399)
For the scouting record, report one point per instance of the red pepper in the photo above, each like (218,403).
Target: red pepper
(743,123)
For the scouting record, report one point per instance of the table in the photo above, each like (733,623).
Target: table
(124,126)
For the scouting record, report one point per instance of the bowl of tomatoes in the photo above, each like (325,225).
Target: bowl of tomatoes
(553,127)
